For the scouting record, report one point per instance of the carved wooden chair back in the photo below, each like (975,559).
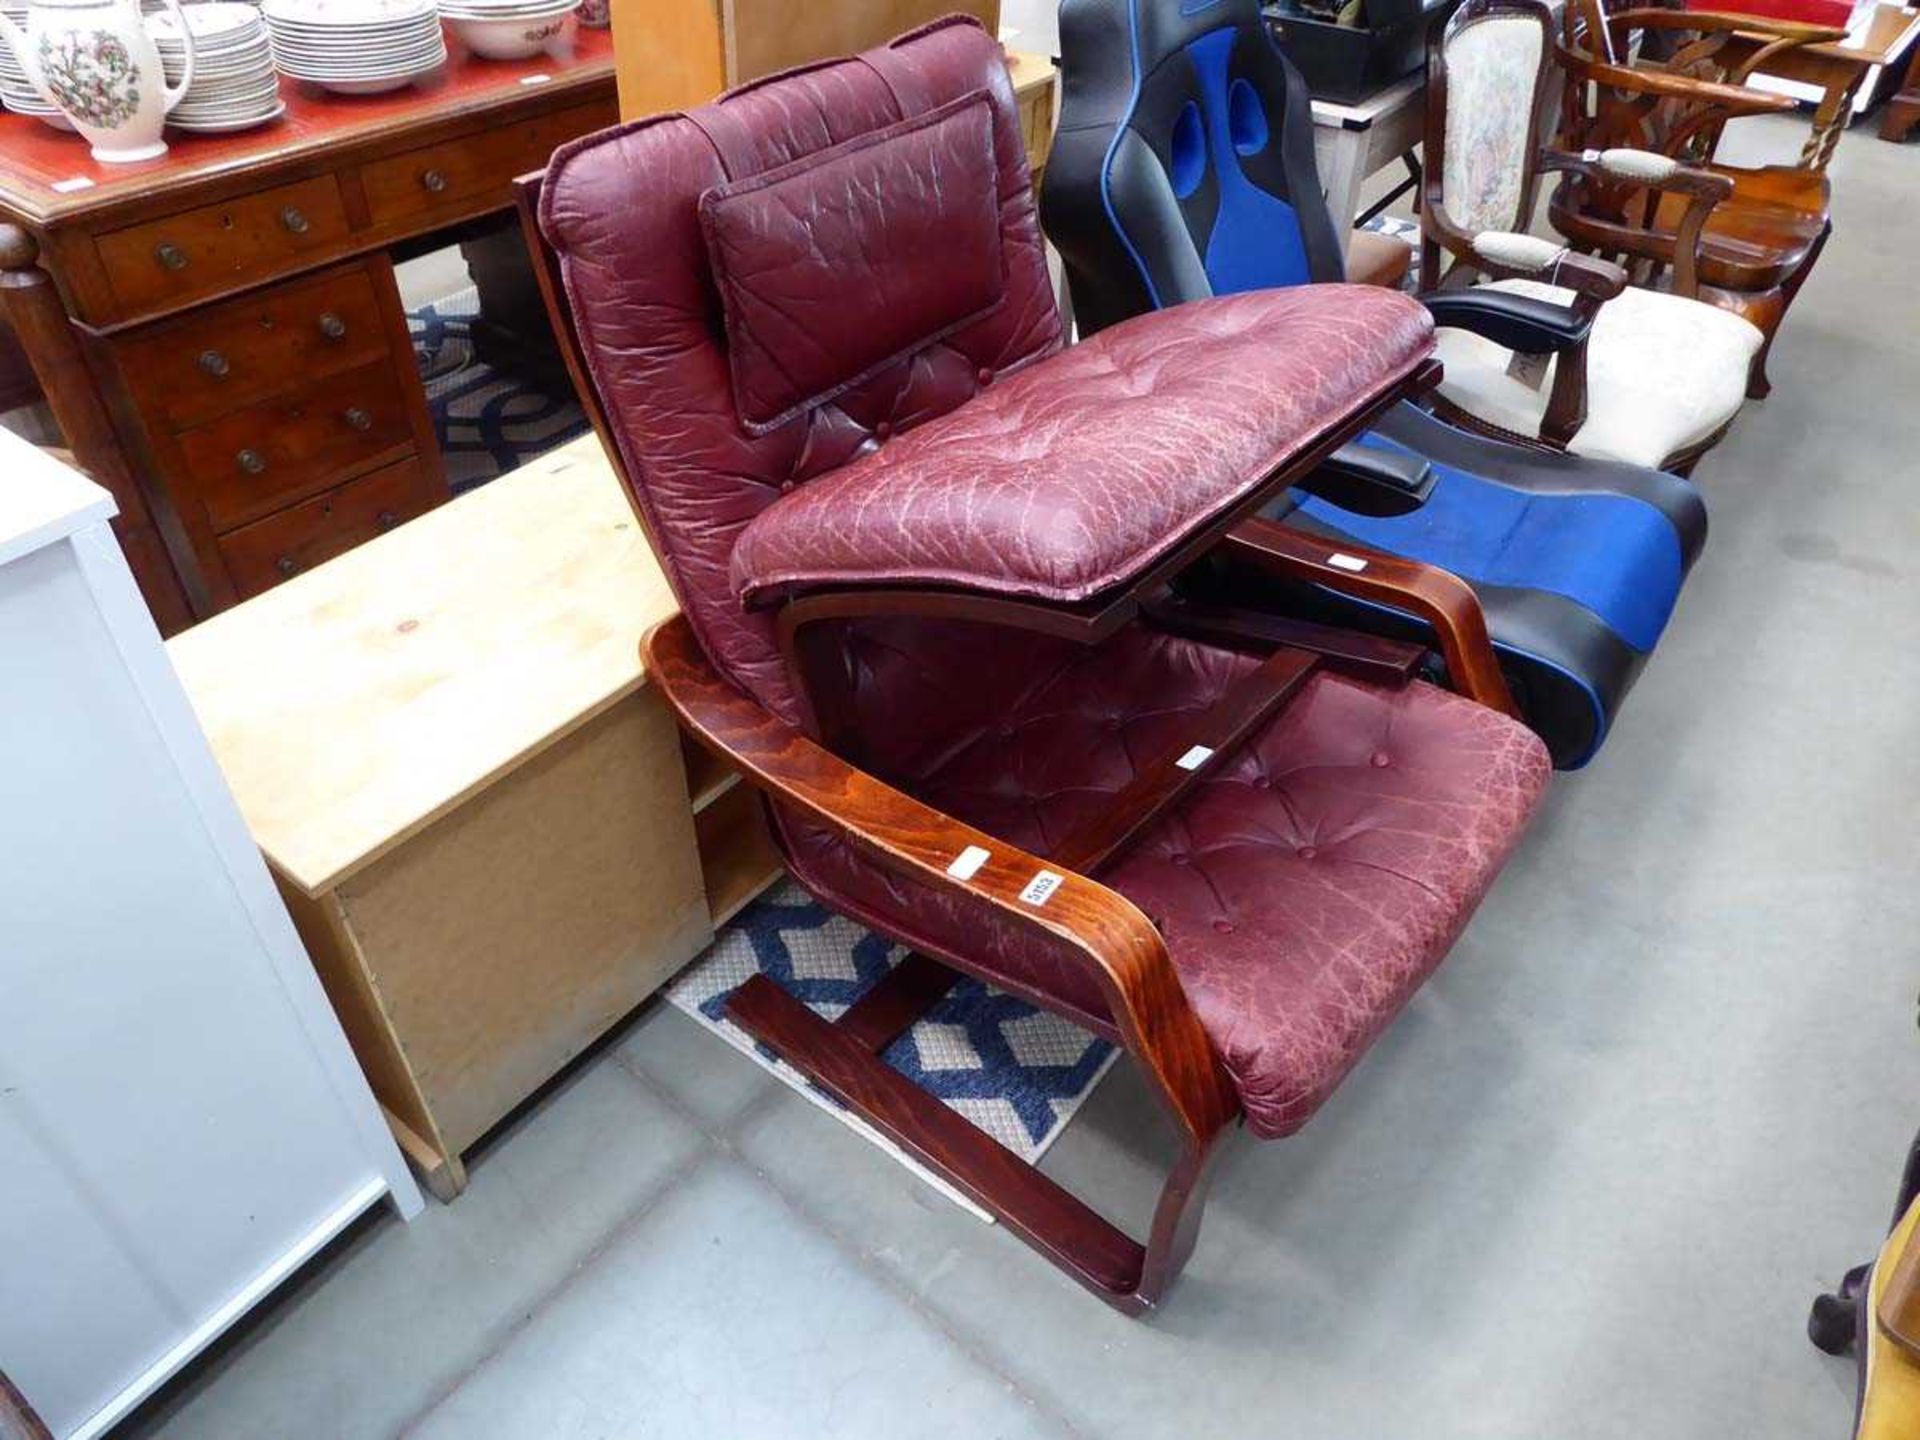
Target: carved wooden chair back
(1629,69)
(1486,83)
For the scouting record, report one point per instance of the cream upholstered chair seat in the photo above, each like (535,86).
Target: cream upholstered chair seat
(1663,374)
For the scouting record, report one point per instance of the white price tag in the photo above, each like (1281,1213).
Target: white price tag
(1347,562)
(967,863)
(1194,758)
(535,79)
(78,182)
(1040,889)
(1529,370)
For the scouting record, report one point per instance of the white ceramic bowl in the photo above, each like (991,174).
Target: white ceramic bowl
(515,39)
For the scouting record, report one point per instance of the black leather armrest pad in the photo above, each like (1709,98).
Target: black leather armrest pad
(1519,322)
(1368,480)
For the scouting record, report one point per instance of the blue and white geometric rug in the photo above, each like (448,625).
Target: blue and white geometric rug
(1016,1071)
(487,421)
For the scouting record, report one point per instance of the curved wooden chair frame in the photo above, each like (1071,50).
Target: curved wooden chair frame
(797,773)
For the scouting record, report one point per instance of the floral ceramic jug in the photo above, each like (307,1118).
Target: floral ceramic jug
(95,60)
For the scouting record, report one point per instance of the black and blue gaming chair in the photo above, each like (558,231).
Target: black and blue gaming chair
(1183,167)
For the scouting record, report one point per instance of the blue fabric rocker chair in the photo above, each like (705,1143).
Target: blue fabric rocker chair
(1183,167)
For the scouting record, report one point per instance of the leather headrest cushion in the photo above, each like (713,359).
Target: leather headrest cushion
(848,259)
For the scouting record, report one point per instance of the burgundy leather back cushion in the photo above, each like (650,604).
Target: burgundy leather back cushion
(622,211)
(800,332)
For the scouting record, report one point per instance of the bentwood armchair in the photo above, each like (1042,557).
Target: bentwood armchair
(1607,371)
(1667,81)
(919,549)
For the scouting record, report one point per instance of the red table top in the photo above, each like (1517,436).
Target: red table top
(34,157)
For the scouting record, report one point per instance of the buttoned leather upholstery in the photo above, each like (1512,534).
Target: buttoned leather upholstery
(1307,886)
(1305,889)
(1184,170)
(1022,492)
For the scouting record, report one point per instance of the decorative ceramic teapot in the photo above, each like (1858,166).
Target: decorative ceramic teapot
(95,61)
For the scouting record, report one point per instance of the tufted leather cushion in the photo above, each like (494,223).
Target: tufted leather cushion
(820,263)
(1078,473)
(621,210)
(1305,889)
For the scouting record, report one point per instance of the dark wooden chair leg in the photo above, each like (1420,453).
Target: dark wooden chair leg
(1759,386)
(842,1059)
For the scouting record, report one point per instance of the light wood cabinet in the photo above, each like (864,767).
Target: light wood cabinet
(480,813)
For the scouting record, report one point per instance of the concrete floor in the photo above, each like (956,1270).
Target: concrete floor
(1585,1187)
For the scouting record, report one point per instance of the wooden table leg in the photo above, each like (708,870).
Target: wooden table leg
(512,332)
(1903,110)
(32,307)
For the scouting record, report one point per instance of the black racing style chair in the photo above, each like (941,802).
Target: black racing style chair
(1183,168)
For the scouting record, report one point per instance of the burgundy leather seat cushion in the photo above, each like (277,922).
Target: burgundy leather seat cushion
(1305,889)
(1076,473)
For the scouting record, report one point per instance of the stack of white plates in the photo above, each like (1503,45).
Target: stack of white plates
(234,84)
(358,47)
(511,29)
(16,91)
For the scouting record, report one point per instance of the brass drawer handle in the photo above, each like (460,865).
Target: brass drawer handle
(386,519)
(434,180)
(294,220)
(251,461)
(358,419)
(170,255)
(286,564)
(332,327)
(214,363)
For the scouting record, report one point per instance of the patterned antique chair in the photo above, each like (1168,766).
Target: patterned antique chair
(919,549)
(1665,79)
(1184,168)
(1658,375)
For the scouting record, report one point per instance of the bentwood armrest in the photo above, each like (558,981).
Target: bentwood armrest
(1736,100)
(1439,597)
(1107,932)
(1718,21)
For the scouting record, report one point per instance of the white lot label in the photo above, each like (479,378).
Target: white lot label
(1347,562)
(1040,889)
(78,182)
(535,79)
(1194,758)
(967,863)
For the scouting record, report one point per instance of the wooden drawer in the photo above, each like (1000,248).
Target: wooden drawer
(256,460)
(221,247)
(471,173)
(261,555)
(216,360)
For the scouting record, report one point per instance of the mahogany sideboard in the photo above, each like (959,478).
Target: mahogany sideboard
(218,332)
